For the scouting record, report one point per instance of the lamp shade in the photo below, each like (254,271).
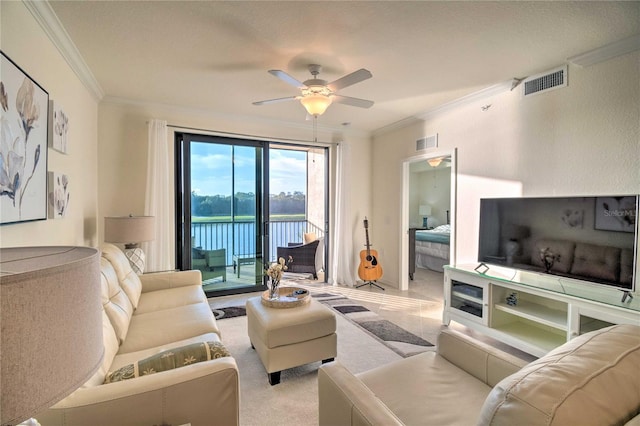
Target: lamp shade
(316,104)
(514,232)
(129,229)
(424,210)
(51,326)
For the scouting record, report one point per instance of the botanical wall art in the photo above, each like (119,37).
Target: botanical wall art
(58,127)
(616,214)
(58,195)
(23,145)
(572,218)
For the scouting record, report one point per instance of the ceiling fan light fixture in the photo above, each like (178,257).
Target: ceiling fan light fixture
(434,162)
(316,104)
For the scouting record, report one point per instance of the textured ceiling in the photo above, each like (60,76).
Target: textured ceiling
(214,55)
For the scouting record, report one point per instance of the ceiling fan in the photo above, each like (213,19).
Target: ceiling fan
(316,94)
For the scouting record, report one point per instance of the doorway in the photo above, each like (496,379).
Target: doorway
(428,214)
(237,201)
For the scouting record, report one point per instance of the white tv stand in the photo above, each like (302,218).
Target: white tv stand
(548,311)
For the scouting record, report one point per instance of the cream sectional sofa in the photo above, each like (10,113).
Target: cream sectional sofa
(154,323)
(593,379)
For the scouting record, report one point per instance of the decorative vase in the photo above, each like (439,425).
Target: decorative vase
(511,248)
(273,290)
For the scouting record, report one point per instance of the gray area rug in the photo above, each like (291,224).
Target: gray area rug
(399,340)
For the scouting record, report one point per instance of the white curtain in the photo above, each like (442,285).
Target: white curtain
(342,271)
(159,198)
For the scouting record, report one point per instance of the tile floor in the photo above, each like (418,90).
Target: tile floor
(418,310)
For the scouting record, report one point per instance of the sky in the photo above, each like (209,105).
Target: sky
(211,169)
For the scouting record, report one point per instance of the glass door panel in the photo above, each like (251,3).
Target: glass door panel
(298,202)
(223,214)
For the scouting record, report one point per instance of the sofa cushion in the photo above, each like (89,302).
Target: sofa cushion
(170,298)
(169,325)
(591,380)
(562,249)
(170,359)
(129,280)
(114,300)
(427,386)
(595,261)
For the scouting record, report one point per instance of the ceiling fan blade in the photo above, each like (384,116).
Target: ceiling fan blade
(347,100)
(287,78)
(350,79)
(272,101)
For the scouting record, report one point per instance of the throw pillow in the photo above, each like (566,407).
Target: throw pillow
(309,237)
(169,359)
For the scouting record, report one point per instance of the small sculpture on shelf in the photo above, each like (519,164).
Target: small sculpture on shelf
(512,299)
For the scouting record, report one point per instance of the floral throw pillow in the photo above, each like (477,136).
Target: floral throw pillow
(168,360)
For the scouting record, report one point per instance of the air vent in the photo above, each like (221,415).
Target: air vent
(427,142)
(550,80)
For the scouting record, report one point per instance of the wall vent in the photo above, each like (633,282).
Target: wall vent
(550,80)
(427,142)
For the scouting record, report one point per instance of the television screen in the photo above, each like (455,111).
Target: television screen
(588,238)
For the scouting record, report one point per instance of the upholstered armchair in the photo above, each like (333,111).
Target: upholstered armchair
(212,263)
(306,257)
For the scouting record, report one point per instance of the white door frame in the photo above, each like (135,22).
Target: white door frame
(403,280)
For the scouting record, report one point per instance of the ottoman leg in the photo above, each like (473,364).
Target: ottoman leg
(274,378)
(324,361)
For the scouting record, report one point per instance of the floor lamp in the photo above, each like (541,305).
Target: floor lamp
(51,341)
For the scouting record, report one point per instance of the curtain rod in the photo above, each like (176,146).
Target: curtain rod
(265,138)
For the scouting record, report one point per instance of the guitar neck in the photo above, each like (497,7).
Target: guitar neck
(366,232)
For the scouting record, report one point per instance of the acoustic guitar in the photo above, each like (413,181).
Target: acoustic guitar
(369,269)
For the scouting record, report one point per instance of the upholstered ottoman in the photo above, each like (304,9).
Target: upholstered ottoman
(289,337)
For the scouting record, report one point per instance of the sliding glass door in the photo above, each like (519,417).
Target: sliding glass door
(220,212)
(227,227)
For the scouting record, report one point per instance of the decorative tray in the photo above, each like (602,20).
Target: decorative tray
(286,298)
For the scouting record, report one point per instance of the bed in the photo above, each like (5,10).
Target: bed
(432,247)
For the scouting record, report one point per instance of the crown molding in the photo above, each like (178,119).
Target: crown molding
(306,126)
(446,107)
(47,19)
(609,51)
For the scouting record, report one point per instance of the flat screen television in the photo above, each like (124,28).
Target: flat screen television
(593,238)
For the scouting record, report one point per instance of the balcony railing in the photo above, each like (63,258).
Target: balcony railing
(239,237)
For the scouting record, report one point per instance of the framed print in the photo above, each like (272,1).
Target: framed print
(23,145)
(58,195)
(58,127)
(616,213)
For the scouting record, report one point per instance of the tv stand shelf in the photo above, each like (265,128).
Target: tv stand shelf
(531,311)
(537,313)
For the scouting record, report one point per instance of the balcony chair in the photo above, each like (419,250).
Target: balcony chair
(307,257)
(212,263)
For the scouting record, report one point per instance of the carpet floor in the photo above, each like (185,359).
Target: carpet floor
(295,400)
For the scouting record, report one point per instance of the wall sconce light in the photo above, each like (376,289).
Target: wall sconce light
(434,162)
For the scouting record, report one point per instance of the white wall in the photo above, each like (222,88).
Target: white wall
(433,188)
(582,139)
(23,40)
(123,155)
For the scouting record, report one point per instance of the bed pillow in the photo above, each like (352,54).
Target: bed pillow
(442,228)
